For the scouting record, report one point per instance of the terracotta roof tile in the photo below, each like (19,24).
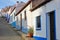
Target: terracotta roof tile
(19,6)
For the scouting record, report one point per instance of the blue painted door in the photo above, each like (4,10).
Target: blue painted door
(52,25)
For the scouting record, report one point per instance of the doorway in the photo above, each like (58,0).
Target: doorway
(20,22)
(51,25)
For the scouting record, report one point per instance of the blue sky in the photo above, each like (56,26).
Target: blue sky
(4,3)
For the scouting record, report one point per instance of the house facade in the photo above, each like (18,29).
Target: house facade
(24,17)
(12,20)
(18,8)
(45,19)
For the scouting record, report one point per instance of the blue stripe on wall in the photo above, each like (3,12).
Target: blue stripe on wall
(39,38)
(55,24)
(13,24)
(24,29)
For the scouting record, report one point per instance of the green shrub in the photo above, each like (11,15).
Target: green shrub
(30,30)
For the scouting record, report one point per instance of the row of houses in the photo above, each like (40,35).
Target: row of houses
(42,15)
(4,12)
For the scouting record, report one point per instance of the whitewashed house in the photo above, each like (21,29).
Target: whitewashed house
(43,16)
(5,13)
(25,17)
(8,15)
(45,19)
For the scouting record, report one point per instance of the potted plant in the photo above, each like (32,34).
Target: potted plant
(30,32)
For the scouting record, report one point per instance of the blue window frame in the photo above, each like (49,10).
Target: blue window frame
(38,23)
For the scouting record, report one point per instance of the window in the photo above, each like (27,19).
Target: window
(38,22)
(25,15)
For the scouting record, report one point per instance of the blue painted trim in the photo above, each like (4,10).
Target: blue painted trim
(54,24)
(46,26)
(39,38)
(40,24)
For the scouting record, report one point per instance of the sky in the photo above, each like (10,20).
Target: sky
(4,3)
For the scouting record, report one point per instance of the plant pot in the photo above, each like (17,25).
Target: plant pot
(30,35)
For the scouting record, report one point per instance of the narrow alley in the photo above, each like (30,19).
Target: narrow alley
(6,33)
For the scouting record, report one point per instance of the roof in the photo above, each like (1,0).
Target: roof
(5,9)
(24,7)
(38,3)
(19,6)
(12,8)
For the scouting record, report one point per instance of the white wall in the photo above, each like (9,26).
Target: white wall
(12,16)
(18,20)
(28,22)
(58,19)
(29,16)
(42,32)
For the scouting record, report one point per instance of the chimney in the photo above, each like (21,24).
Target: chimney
(17,3)
(22,2)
